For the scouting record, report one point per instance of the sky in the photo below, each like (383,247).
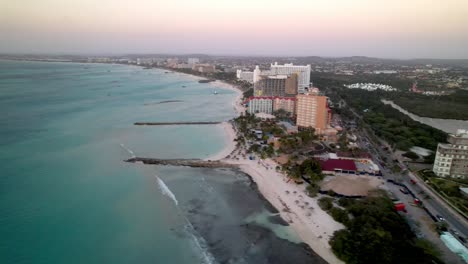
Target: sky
(377,28)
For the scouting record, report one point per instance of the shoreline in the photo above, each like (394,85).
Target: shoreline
(314,226)
(310,223)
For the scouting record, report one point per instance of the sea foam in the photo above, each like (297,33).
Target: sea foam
(165,190)
(132,154)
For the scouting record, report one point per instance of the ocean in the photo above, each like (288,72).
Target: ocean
(66,196)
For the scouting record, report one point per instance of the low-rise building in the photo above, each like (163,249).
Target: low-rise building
(260,105)
(451,159)
(204,68)
(287,104)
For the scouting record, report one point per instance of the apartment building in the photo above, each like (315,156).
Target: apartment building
(451,159)
(287,104)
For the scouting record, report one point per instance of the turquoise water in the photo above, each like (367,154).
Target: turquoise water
(65,194)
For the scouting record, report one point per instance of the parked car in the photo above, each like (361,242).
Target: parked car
(440,218)
(403,190)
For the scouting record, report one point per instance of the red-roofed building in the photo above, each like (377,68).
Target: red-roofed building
(338,165)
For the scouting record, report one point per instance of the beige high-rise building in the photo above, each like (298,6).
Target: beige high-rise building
(312,111)
(276,85)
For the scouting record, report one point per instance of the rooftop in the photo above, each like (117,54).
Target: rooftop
(340,164)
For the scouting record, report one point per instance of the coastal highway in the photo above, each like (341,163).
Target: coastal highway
(433,204)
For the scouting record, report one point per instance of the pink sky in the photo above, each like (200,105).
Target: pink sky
(394,28)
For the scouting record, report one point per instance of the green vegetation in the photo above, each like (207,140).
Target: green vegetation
(377,234)
(331,80)
(388,123)
(309,169)
(248,93)
(302,139)
(339,215)
(312,189)
(411,155)
(451,191)
(449,188)
(283,115)
(326,203)
(453,106)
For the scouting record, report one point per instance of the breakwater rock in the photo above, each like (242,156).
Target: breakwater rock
(197,163)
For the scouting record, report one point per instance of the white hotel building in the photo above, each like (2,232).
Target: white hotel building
(289,68)
(260,104)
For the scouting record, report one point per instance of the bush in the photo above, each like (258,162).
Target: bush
(377,234)
(326,203)
(312,189)
(345,202)
(339,215)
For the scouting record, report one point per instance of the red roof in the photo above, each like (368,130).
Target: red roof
(340,164)
(271,98)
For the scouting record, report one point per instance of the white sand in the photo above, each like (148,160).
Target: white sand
(230,144)
(313,226)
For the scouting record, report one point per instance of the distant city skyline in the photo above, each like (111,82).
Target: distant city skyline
(334,28)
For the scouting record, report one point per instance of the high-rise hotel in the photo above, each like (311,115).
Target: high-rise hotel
(303,81)
(312,111)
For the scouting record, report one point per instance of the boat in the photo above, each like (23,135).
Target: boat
(215,92)
(206,80)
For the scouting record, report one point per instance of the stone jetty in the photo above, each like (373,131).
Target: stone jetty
(175,123)
(197,163)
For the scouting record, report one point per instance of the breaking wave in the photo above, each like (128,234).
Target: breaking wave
(132,154)
(165,190)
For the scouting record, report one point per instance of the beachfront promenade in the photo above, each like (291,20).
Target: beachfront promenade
(197,163)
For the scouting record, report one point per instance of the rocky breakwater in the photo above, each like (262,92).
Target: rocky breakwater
(197,163)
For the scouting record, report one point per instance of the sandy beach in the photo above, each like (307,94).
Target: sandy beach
(313,225)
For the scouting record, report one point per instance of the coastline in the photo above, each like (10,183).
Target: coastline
(314,228)
(313,225)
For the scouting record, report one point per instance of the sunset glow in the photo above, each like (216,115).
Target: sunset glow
(398,28)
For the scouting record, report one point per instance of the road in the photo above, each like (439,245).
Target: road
(433,204)
(415,214)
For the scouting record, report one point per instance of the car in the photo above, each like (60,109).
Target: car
(403,190)
(462,239)
(440,218)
